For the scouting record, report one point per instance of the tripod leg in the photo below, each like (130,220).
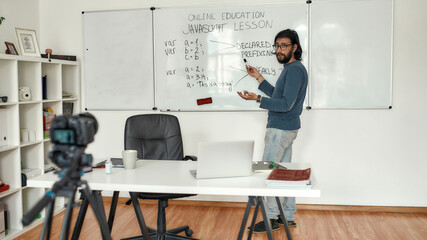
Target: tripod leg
(67,218)
(98,213)
(80,218)
(113,210)
(48,221)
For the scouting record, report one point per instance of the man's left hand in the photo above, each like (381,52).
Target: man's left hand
(248,95)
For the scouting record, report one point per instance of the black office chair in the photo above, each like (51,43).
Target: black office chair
(157,136)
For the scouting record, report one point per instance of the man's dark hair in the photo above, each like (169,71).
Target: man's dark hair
(293,35)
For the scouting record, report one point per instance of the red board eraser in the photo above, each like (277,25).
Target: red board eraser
(204,101)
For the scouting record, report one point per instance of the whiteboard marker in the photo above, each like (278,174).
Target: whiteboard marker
(246,62)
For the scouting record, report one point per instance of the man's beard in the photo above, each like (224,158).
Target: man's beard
(285,59)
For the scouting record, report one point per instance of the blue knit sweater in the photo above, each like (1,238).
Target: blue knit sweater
(286,98)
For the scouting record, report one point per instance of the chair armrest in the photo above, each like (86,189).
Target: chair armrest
(190,157)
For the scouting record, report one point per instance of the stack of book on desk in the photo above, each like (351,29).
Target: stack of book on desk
(299,178)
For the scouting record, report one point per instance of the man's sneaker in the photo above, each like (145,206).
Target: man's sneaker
(290,223)
(260,226)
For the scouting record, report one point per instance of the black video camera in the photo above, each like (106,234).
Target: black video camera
(76,130)
(71,135)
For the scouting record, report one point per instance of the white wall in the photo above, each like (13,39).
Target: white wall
(20,14)
(359,157)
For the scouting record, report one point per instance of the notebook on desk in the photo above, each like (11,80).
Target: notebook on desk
(224,159)
(117,163)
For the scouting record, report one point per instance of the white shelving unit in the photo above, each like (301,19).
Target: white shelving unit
(15,155)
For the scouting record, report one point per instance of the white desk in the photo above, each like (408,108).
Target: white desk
(174,177)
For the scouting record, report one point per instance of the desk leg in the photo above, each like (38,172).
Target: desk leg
(99,203)
(259,202)
(285,221)
(98,209)
(253,221)
(138,212)
(251,202)
(266,219)
(97,196)
(83,209)
(113,207)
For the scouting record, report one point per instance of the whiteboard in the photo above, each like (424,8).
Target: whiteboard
(119,60)
(351,54)
(199,52)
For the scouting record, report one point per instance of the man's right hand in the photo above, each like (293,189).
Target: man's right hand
(254,73)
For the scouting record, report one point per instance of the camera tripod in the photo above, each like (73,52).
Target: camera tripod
(67,188)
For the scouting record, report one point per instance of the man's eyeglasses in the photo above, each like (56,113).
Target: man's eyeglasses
(283,47)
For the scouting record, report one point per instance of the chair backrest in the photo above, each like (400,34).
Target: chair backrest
(154,136)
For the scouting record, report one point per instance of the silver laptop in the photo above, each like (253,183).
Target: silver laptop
(224,159)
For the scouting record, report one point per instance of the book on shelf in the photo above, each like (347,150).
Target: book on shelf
(60,57)
(31,172)
(3,127)
(48,116)
(44,87)
(3,221)
(4,187)
(289,178)
(66,94)
(49,168)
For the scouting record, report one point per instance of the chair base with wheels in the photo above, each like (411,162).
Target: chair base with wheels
(160,232)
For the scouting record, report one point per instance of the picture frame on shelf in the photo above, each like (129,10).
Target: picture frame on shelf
(11,48)
(67,108)
(27,41)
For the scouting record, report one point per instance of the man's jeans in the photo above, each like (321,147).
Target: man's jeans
(278,148)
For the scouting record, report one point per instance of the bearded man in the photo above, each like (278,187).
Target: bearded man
(284,104)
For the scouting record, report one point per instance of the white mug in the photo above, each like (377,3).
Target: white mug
(129,158)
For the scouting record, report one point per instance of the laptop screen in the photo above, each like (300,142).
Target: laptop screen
(224,159)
